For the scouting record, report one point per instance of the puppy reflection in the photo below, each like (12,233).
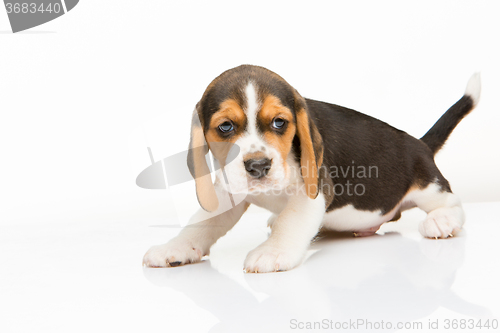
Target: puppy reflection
(398,280)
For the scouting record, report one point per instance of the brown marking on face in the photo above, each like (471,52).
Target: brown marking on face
(282,141)
(254,156)
(231,111)
(228,110)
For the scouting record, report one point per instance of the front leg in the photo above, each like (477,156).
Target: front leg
(195,240)
(291,233)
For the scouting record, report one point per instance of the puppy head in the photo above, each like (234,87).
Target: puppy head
(259,112)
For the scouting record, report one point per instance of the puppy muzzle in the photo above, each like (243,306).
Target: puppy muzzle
(258,168)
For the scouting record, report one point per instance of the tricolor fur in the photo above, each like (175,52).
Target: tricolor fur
(312,164)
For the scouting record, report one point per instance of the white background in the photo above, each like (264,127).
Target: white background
(72,98)
(82,96)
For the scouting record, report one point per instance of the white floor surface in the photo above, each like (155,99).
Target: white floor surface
(86,276)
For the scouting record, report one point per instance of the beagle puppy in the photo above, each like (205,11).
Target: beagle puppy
(314,165)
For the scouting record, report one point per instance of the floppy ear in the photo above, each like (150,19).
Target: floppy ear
(197,164)
(311,147)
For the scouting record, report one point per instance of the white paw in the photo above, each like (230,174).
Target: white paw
(269,258)
(172,254)
(442,222)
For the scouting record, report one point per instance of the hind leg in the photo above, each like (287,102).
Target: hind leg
(445,216)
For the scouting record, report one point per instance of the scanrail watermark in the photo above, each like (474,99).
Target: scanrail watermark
(348,179)
(373,325)
(345,179)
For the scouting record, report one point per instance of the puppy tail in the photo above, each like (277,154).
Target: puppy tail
(439,133)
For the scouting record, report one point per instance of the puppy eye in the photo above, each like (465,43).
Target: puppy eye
(278,123)
(226,127)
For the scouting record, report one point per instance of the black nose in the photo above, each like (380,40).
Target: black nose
(258,168)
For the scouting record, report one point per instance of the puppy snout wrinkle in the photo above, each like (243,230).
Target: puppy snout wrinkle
(258,168)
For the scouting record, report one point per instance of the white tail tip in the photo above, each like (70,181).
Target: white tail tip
(474,88)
